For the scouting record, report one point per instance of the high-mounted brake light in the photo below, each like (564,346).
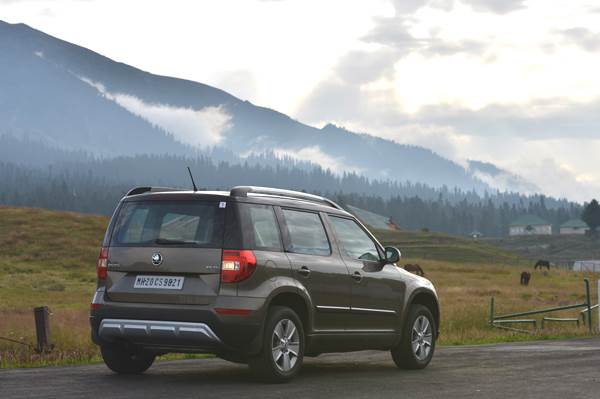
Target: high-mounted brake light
(102,264)
(237,265)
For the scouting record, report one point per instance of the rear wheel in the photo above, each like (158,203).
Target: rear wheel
(282,350)
(124,360)
(417,345)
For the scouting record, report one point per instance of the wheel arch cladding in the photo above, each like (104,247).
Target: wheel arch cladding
(428,300)
(295,302)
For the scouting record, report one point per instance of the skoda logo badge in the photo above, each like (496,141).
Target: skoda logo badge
(157,259)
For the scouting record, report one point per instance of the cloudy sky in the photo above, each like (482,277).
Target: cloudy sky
(513,82)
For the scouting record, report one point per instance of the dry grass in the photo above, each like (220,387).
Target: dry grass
(465,292)
(70,333)
(49,257)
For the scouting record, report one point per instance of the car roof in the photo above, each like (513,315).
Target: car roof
(267,199)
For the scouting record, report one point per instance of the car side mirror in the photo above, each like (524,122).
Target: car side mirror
(392,255)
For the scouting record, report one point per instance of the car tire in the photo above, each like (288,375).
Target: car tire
(282,353)
(124,360)
(417,343)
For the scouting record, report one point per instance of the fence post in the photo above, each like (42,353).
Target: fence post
(42,329)
(492,307)
(588,302)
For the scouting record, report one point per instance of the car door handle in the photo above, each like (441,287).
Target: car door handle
(357,276)
(304,271)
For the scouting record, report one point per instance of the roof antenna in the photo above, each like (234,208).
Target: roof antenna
(192,177)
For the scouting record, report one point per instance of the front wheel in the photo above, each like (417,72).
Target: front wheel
(124,360)
(282,350)
(417,344)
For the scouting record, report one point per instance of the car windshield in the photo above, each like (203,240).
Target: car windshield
(152,223)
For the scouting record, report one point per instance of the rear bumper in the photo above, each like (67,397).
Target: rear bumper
(180,328)
(169,333)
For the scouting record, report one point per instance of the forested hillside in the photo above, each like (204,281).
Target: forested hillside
(95,186)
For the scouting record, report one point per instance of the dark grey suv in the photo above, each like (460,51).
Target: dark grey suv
(255,275)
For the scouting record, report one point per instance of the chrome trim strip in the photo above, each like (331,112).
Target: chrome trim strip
(123,328)
(349,308)
(365,331)
(374,310)
(344,308)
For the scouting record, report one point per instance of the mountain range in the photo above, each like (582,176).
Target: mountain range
(65,97)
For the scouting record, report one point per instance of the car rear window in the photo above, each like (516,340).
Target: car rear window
(169,223)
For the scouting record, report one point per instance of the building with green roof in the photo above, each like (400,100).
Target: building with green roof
(530,225)
(574,226)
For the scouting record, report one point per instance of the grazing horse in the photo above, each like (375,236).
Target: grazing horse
(541,264)
(415,269)
(525,276)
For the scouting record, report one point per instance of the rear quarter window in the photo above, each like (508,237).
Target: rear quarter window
(253,226)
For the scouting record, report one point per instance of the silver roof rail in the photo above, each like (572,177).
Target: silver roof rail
(243,191)
(141,190)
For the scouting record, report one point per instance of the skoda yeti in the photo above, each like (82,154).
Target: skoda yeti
(256,275)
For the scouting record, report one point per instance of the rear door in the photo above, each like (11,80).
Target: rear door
(166,252)
(377,288)
(318,267)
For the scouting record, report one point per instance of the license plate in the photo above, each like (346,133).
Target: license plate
(160,282)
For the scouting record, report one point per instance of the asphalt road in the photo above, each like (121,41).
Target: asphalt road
(551,369)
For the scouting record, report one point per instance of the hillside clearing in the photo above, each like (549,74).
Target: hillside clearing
(559,249)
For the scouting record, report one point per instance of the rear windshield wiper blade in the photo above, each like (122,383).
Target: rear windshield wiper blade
(166,241)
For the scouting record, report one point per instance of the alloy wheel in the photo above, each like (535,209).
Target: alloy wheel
(285,345)
(421,338)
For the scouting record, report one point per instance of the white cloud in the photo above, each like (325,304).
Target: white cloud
(198,128)
(561,180)
(496,6)
(315,155)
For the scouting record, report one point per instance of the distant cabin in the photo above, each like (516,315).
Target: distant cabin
(476,234)
(587,266)
(372,219)
(530,225)
(574,226)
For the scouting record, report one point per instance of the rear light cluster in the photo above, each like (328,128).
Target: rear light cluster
(237,265)
(102,264)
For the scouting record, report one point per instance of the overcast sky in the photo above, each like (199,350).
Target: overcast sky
(513,82)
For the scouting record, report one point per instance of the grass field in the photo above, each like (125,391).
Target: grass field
(48,259)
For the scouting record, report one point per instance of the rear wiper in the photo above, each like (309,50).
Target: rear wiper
(166,241)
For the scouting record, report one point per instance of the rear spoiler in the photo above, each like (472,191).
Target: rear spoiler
(142,190)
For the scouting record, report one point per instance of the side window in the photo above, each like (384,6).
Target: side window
(307,234)
(353,240)
(264,226)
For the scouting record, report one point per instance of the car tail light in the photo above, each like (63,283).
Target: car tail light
(237,265)
(102,264)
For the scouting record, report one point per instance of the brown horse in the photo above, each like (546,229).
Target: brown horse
(415,269)
(525,277)
(541,264)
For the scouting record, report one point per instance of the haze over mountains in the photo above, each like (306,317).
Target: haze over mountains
(64,97)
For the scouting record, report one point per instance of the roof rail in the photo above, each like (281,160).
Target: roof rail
(243,191)
(141,190)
